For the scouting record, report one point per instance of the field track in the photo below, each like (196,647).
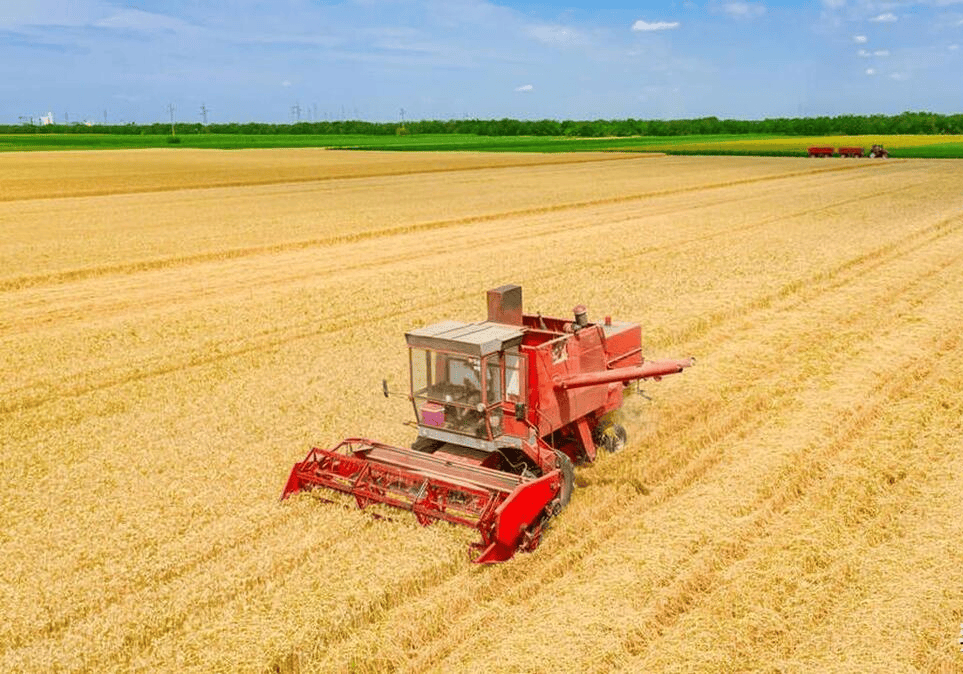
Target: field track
(178,327)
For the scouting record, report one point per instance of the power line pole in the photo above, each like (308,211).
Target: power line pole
(171,108)
(204,113)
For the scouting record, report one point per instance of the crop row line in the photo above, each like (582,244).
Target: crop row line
(275,337)
(260,181)
(21,282)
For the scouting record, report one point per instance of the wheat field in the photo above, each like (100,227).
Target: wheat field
(178,327)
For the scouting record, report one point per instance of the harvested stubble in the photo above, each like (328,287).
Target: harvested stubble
(792,503)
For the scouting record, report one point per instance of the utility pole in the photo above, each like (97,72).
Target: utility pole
(171,108)
(296,111)
(105,118)
(204,113)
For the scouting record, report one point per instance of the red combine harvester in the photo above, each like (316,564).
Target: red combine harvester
(504,407)
(821,151)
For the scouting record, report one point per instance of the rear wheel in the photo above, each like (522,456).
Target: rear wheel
(611,437)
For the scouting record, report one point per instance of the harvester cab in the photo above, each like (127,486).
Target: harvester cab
(464,379)
(504,408)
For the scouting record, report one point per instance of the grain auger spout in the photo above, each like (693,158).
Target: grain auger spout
(653,369)
(504,408)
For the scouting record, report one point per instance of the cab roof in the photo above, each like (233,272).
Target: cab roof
(476,339)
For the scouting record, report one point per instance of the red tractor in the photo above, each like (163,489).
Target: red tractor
(504,408)
(877,152)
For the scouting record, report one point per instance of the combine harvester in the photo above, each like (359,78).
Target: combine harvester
(504,409)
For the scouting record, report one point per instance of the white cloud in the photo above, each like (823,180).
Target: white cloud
(887,17)
(860,39)
(862,53)
(641,26)
(881,52)
(147,22)
(953,47)
(742,9)
(558,35)
(525,87)
(870,71)
(899,77)
(286,83)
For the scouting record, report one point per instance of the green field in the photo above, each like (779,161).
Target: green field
(935,146)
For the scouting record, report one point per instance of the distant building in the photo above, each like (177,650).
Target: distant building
(47,119)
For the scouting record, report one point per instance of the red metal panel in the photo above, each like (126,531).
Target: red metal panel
(585,437)
(518,517)
(623,344)
(505,305)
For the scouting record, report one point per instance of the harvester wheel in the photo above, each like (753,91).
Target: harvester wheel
(611,437)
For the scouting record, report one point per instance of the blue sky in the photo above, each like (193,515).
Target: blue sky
(255,60)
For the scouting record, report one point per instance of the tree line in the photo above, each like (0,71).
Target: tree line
(846,125)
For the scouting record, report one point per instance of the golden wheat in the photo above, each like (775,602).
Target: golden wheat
(171,343)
